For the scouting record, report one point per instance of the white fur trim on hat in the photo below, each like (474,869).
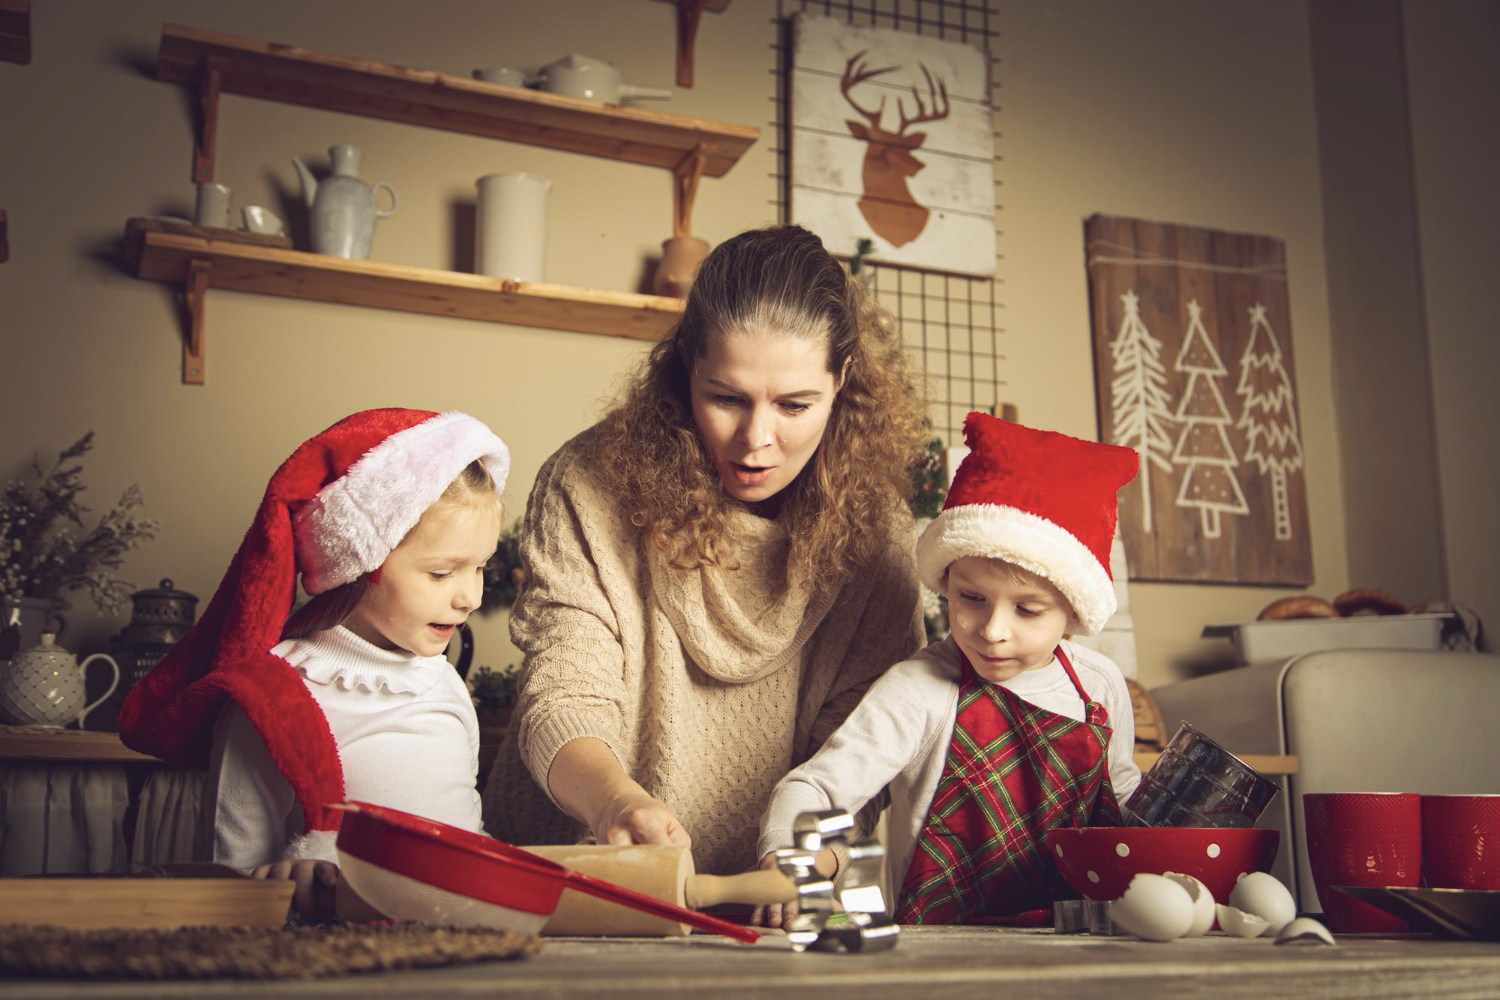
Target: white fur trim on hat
(314,845)
(354,522)
(1033,543)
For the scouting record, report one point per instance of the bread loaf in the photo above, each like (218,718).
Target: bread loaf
(1297,607)
(1368,602)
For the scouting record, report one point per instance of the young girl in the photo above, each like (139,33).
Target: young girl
(390,516)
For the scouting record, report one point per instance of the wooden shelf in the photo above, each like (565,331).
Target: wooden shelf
(243,267)
(229,64)
(31,743)
(1273,765)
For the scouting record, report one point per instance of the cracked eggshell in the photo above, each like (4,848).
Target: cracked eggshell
(1238,923)
(1203,903)
(1304,930)
(1264,896)
(1154,908)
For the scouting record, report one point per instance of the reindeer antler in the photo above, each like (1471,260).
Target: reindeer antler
(939,92)
(855,74)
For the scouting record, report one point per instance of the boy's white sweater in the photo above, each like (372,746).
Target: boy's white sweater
(899,735)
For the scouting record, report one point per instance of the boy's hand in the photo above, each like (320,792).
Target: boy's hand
(314,897)
(773,914)
(780,914)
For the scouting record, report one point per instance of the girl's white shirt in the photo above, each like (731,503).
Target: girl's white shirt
(899,736)
(406,733)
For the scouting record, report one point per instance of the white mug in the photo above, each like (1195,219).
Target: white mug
(503,75)
(213,205)
(261,220)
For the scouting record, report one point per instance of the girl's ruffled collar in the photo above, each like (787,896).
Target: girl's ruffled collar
(339,657)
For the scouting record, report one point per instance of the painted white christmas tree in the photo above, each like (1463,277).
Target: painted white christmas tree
(1209,482)
(1139,401)
(1268,417)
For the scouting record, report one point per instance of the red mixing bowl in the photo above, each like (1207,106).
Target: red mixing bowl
(1100,861)
(413,868)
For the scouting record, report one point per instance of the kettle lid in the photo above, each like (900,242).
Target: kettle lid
(165,589)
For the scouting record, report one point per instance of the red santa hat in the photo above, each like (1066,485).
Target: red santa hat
(333,511)
(1040,500)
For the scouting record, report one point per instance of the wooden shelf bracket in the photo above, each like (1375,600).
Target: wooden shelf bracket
(685,178)
(210,80)
(15,31)
(688,12)
(194,297)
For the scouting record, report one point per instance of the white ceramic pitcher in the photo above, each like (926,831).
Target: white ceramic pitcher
(510,231)
(343,206)
(43,686)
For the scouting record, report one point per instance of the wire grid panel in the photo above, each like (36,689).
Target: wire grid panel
(953,325)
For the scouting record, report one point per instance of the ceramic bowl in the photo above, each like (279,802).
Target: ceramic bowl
(411,868)
(1099,862)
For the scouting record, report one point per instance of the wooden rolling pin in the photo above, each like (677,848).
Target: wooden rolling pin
(658,870)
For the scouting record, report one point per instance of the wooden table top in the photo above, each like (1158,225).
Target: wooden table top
(32,743)
(950,963)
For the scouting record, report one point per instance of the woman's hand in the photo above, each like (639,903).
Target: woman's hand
(314,897)
(587,781)
(637,818)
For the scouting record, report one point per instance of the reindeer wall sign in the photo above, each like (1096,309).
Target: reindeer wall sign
(892,141)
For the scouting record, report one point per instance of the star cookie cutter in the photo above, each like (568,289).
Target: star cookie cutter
(862,925)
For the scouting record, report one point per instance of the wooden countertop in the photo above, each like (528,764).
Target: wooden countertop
(950,963)
(28,743)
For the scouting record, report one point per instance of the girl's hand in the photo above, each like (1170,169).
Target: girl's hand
(774,914)
(637,818)
(314,897)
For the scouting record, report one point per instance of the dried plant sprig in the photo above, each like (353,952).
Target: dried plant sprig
(41,553)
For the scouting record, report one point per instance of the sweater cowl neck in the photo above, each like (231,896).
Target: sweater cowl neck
(743,624)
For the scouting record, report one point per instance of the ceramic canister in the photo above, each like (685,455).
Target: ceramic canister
(511,226)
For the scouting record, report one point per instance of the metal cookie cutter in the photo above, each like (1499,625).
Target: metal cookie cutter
(863,924)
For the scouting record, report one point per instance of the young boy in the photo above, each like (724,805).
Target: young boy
(1003,730)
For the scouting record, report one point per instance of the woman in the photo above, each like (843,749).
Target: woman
(719,568)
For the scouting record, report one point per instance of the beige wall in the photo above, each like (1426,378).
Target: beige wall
(1454,88)
(1382,382)
(1199,114)
(1180,111)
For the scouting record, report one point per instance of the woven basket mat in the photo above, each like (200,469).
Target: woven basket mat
(249,952)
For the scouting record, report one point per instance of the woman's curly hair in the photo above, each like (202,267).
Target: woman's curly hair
(779,279)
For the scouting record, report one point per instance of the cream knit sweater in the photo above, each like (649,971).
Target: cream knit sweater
(708,685)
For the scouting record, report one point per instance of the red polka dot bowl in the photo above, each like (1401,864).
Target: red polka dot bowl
(1099,861)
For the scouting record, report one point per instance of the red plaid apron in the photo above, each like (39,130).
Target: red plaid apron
(1013,772)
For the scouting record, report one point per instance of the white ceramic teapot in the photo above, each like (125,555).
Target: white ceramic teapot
(43,686)
(592,79)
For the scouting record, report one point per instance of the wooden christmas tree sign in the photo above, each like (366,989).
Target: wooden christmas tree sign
(1193,368)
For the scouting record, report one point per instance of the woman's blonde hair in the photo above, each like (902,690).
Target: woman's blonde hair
(782,280)
(472,490)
